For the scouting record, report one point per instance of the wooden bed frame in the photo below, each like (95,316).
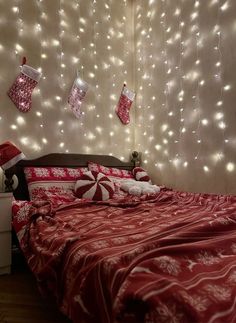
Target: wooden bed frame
(64,160)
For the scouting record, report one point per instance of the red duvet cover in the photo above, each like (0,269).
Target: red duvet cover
(170,258)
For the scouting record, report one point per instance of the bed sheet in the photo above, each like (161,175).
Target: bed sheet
(167,258)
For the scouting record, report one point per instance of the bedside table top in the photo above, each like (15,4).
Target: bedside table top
(6,194)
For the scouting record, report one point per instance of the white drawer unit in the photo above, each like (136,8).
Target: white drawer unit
(5,232)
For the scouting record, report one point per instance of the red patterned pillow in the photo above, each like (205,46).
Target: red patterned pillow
(52,180)
(110,171)
(94,186)
(140,174)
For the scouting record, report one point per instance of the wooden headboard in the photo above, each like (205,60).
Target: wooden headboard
(63,160)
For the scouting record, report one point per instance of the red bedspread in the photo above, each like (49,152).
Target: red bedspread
(169,259)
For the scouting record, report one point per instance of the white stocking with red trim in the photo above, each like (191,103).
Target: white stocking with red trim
(77,95)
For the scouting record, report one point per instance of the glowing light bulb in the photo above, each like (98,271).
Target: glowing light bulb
(230,167)
(24,140)
(164,127)
(177,12)
(225,6)
(227,87)
(158,147)
(15,9)
(219,115)
(19,48)
(194,15)
(222,125)
(218,156)
(205,122)
(55,42)
(20,120)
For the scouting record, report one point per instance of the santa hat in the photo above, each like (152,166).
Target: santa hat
(9,155)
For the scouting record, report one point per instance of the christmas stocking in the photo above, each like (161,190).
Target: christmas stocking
(77,95)
(23,86)
(124,104)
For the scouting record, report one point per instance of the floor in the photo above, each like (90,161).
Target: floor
(20,301)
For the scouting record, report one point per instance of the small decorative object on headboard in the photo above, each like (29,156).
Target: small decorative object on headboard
(9,156)
(136,158)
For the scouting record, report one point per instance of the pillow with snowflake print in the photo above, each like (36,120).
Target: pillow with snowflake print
(110,171)
(48,181)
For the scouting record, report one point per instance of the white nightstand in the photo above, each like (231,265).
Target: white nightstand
(5,232)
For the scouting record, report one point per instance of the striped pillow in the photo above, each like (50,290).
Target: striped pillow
(94,186)
(140,174)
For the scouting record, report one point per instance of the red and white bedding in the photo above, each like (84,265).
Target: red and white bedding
(168,258)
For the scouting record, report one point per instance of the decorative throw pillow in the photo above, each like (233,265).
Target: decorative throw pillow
(110,171)
(140,174)
(139,188)
(52,180)
(94,186)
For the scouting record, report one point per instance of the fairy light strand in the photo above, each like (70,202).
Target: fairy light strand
(166,68)
(40,69)
(218,77)
(20,28)
(196,30)
(181,94)
(61,52)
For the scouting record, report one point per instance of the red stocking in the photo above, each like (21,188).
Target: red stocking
(21,90)
(124,104)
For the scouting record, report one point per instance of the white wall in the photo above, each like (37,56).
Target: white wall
(186,84)
(59,38)
(185,52)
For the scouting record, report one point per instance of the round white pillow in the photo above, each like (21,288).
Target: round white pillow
(94,186)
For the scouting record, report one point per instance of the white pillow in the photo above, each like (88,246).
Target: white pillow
(138,188)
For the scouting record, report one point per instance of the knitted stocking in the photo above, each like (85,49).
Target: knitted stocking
(124,105)
(21,90)
(77,95)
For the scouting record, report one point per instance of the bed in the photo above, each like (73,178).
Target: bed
(163,257)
